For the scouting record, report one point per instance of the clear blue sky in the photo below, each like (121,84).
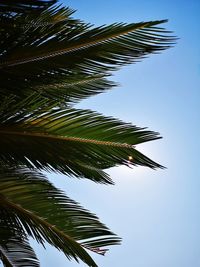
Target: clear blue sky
(157,213)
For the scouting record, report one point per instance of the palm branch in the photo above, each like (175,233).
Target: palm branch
(50,46)
(78,143)
(37,209)
(48,62)
(17,252)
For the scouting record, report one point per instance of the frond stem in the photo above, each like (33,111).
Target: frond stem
(41,221)
(67,138)
(72,48)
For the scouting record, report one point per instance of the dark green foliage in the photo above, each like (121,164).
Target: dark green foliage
(42,138)
(48,62)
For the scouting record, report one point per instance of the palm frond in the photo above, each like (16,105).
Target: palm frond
(55,47)
(48,215)
(75,88)
(120,44)
(17,252)
(49,61)
(79,143)
(65,92)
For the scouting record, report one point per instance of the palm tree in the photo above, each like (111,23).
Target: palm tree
(49,62)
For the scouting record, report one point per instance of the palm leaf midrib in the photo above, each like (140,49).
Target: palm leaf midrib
(39,220)
(83,45)
(65,138)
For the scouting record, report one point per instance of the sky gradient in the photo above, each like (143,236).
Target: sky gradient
(156,213)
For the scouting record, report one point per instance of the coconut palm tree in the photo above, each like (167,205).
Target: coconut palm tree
(48,62)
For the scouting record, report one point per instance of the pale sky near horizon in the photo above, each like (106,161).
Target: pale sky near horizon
(157,213)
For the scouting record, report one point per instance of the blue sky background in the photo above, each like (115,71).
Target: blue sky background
(157,213)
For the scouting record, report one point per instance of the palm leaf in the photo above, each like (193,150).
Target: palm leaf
(48,215)
(18,253)
(48,61)
(67,91)
(74,88)
(135,41)
(15,250)
(29,59)
(43,231)
(71,87)
(79,143)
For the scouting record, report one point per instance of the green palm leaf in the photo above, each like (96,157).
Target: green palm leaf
(55,47)
(135,41)
(18,253)
(49,61)
(79,143)
(48,215)
(42,231)
(15,250)
(75,88)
